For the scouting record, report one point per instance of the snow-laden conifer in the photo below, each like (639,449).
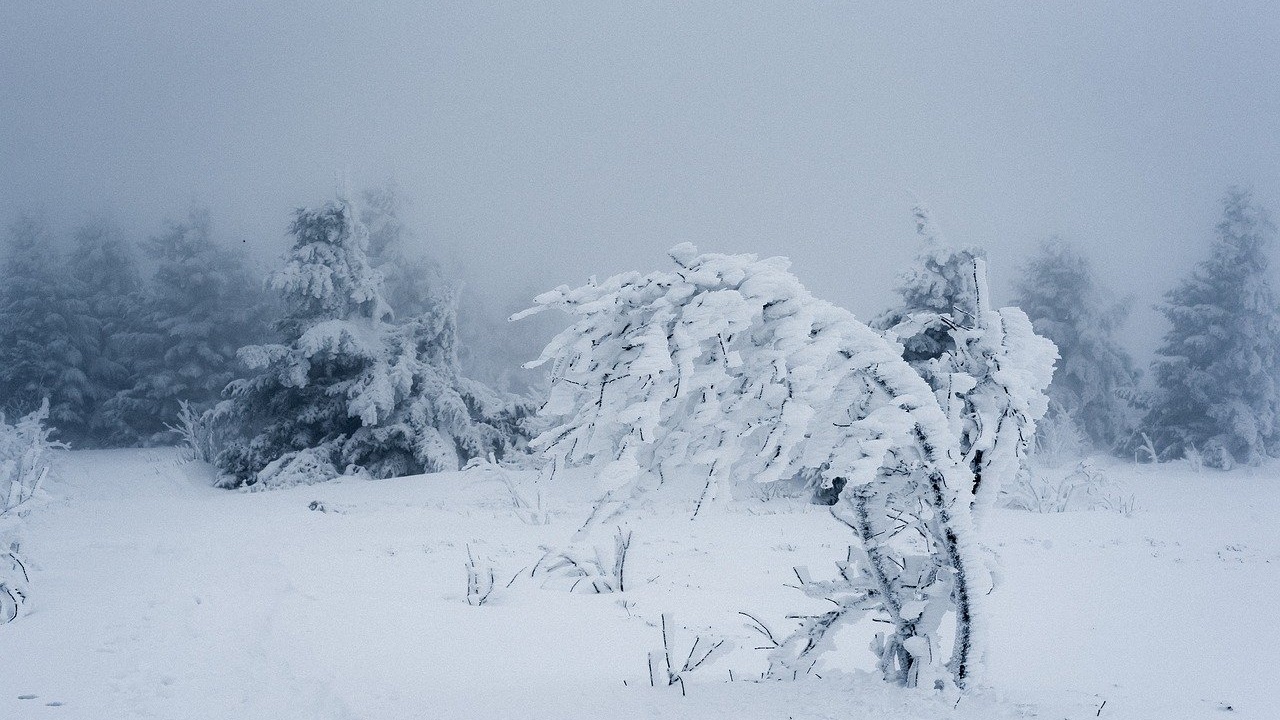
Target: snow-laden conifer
(107,304)
(1095,382)
(40,352)
(347,389)
(1216,371)
(201,305)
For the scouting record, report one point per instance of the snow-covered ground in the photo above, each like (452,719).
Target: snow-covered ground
(157,596)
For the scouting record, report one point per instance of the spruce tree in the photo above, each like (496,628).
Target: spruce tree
(1095,379)
(346,388)
(107,304)
(202,304)
(1217,368)
(39,353)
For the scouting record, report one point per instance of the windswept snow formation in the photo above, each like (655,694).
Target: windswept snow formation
(728,365)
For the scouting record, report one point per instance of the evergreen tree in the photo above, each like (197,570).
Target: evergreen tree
(1095,378)
(40,356)
(412,281)
(202,304)
(988,368)
(940,283)
(107,304)
(347,388)
(1217,368)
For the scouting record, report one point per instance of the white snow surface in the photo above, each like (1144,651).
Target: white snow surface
(155,595)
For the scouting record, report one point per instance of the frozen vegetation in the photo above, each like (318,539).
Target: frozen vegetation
(724,492)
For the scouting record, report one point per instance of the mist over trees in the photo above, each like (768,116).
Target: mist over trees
(1095,381)
(120,334)
(1217,369)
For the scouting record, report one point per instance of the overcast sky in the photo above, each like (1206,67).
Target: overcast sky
(543,143)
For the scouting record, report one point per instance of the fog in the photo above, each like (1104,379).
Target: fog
(543,143)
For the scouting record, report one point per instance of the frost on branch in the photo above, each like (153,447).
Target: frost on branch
(728,367)
(24,465)
(988,368)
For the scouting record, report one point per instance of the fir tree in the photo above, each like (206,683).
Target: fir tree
(40,356)
(940,283)
(202,304)
(107,304)
(1095,379)
(1217,368)
(347,389)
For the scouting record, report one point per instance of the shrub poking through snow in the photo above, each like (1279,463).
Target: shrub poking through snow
(667,669)
(527,503)
(726,367)
(349,388)
(599,573)
(480,581)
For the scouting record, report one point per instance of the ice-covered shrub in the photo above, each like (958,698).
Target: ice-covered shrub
(24,458)
(601,572)
(1085,486)
(526,502)
(24,465)
(1058,476)
(726,367)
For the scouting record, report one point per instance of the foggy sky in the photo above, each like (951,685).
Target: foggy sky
(544,142)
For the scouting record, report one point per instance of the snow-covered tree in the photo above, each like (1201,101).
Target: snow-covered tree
(727,368)
(108,304)
(347,389)
(201,305)
(1216,371)
(988,368)
(40,357)
(1095,381)
(939,283)
(412,281)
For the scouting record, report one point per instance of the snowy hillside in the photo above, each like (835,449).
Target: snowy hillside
(158,596)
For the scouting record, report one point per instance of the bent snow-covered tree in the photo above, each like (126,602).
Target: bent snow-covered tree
(349,389)
(728,367)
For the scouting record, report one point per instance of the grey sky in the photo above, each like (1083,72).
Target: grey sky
(552,141)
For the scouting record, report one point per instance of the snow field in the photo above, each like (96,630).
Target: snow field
(157,596)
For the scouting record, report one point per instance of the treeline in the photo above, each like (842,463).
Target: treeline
(114,343)
(352,346)
(118,334)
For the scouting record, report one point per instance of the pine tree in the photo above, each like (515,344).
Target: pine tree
(202,304)
(347,389)
(39,353)
(1216,371)
(1095,380)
